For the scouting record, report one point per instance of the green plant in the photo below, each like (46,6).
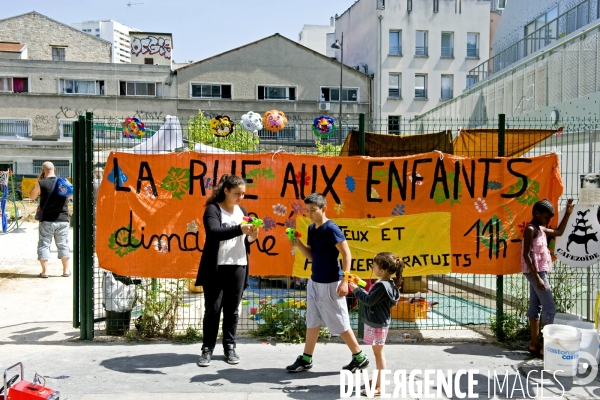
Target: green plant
(515,323)
(327,149)
(160,303)
(198,131)
(191,335)
(283,322)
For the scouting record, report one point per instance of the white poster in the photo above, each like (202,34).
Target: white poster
(579,245)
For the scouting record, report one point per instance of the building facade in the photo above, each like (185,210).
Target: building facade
(50,40)
(112,31)
(419,52)
(151,48)
(319,38)
(272,73)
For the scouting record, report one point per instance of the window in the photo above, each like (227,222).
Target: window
(421,44)
(211,91)
(149,61)
(20,127)
(58,54)
(447,45)
(447,87)
(333,94)
(471,80)
(394,124)
(381,4)
(65,127)
(290,132)
(276,93)
(395,43)
(62,167)
(97,29)
(14,85)
(436,6)
(472,45)
(420,86)
(71,86)
(395,88)
(537,37)
(501,4)
(409,5)
(137,89)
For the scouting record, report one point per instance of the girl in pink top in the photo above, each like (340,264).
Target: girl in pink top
(536,262)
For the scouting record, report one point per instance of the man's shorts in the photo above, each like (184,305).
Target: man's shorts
(325,308)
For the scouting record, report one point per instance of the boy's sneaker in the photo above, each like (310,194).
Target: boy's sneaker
(206,357)
(299,365)
(231,356)
(354,365)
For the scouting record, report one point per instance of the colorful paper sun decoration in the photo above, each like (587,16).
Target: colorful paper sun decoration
(221,125)
(323,126)
(133,128)
(274,120)
(252,122)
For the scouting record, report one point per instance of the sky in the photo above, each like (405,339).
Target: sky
(200,28)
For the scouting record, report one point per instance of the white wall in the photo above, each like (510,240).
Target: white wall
(315,37)
(361,27)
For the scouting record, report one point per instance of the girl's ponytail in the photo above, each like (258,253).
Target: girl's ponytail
(399,269)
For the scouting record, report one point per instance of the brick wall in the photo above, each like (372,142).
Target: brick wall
(41,33)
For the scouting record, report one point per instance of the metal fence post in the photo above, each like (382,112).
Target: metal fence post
(500,278)
(87,226)
(78,130)
(361,151)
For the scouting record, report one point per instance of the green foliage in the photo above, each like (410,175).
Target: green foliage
(284,323)
(161,302)
(191,335)
(239,141)
(327,149)
(515,322)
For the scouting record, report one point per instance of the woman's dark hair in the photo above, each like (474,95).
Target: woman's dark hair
(227,182)
(392,265)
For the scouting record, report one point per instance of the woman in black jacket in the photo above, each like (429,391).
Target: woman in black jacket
(223,270)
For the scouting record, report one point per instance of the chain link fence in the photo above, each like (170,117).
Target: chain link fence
(454,301)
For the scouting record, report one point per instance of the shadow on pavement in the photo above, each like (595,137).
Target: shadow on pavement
(149,363)
(484,351)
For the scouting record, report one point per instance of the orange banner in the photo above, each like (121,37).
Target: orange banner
(150,207)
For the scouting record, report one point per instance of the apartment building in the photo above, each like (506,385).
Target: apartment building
(419,52)
(113,32)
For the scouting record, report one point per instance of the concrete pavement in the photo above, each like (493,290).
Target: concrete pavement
(36,329)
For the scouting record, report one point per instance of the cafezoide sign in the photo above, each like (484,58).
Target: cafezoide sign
(579,245)
(453,213)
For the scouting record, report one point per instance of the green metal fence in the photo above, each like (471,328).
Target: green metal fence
(457,300)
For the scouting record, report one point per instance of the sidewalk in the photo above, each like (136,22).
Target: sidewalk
(36,329)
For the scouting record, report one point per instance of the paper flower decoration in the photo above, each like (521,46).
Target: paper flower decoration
(274,120)
(133,128)
(323,126)
(221,125)
(252,122)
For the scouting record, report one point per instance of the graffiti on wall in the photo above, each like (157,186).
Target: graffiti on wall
(151,45)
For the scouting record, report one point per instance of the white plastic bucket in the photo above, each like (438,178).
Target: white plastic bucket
(589,338)
(561,349)
(565,318)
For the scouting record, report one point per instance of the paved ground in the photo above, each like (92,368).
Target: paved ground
(36,329)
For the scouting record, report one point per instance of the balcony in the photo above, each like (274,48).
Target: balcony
(472,52)
(421,51)
(563,25)
(447,52)
(421,94)
(395,50)
(395,93)
(447,94)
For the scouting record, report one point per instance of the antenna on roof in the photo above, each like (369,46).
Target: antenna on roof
(129,4)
